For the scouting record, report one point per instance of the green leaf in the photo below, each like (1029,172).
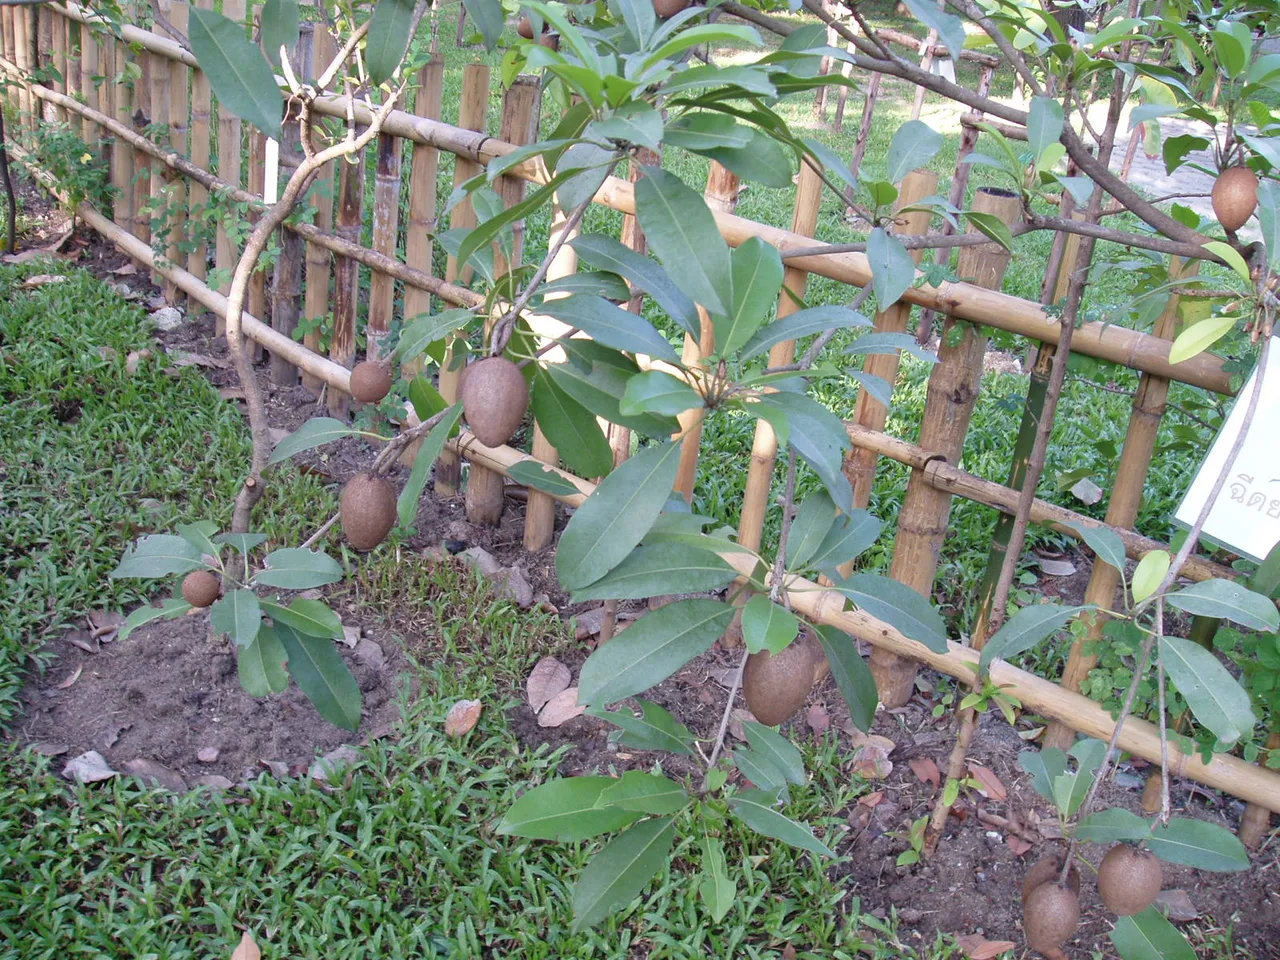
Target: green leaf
(615,518)
(262,665)
(428,454)
(914,144)
(596,377)
(611,325)
(601,283)
(802,323)
(716,888)
(616,875)
(1149,574)
(173,607)
(1199,844)
(652,649)
(992,227)
(706,131)
(889,343)
(760,771)
(310,617)
(426,330)
(1026,628)
(279,26)
(657,570)
(1150,936)
(767,626)
(852,676)
(198,534)
(683,234)
(491,229)
(1232,42)
(1045,766)
(296,569)
(647,793)
(749,79)
(157,556)
(1105,543)
(831,161)
(755,808)
(654,729)
(1069,791)
(708,33)
(320,673)
(950,27)
(1044,125)
(1112,826)
(1230,257)
(892,269)
(899,606)
(605,253)
(566,809)
(573,430)
(388,38)
(638,123)
(1215,697)
(820,438)
(539,476)
(809,528)
(313,433)
(757,277)
(239,74)
(1200,336)
(653,391)
(1229,601)
(779,751)
(241,542)
(638,17)
(848,537)
(763,160)
(238,615)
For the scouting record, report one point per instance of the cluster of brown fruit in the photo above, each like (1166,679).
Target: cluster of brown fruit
(1235,197)
(663,8)
(775,685)
(1129,880)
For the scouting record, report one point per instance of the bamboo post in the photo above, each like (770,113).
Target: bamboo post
(953,392)
(201,111)
(1149,404)
(722,196)
(926,61)
(842,96)
(386,227)
(8,46)
(256,301)
(346,277)
(473,114)
(178,14)
(864,132)
(88,85)
(230,140)
(286,284)
(140,119)
(44,52)
(860,464)
(520,108)
(121,153)
(70,33)
(58,40)
(824,67)
(161,107)
(319,264)
(1256,821)
(22,51)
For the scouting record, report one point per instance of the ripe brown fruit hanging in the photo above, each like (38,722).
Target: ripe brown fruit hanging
(200,588)
(1047,870)
(525,28)
(669,8)
(494,397)
(1050,916)
(367,510)
(550,40)
(1129,879)
(1235,197)
(370,381)
(775,685)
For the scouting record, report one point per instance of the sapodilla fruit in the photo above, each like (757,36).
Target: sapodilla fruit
(775,685)
(1047,870)
(1050,916)
(669,8)
(550,40)
(494,397)
(200,588)
(370,381)
(1129,879)
(1235,197)
(525,28)
(367,510)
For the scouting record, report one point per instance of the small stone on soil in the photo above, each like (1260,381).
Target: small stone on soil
(207,755)
(156,774)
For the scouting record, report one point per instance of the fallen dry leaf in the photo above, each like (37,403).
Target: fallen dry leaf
(328,767)
(991,785)
(89,767)
(105,624)
(548,678)
(1018,845)
(872,762)
(788,952)
(66,684)
(737,718)
(926,771)
(588,624)
(818,719)
(112,733)
(247,949)
(41,279)
(134,360)
(182,358)
(128,270)
(872,799)
(156,774)
(561,708)
(278,768)
(1176,905)
(81,639)
(49,749)
(462,717)
(978,947)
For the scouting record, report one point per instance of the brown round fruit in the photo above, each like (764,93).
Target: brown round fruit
(550,40)
(200,588)
(1048,869)
(1129,879)
(1235,197)
(370,381)
(368,510)
(775,685)
(1050,916)
(669,8)
(494,397)
(525,28)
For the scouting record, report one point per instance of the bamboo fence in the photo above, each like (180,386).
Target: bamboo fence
(329,250)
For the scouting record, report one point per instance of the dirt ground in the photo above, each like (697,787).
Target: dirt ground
(169,692)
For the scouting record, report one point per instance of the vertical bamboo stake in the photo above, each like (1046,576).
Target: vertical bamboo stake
(519,124)
(88,86)
(346,276)
(161,106)
(58,40)
(107,91)
(1122,510)
(1256,821)
(319,265)
(178,14)
(201,108)
(926,61)
(286,285)
(6,38)
(140,118)
(70,34)
(44,54)
(122,154)
(386,227)
(860,464)
(473,114)
(864,131)
(824,68)
(721,194)
(22,53)
(230,138)
(256,302)
(953,392)
(842,97)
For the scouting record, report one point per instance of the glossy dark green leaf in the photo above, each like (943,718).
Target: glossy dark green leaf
(616,875)
(1026,628)
(310,617)
(914,143)
(602,283)
(611,325)
(157,556)
(639,18)
(820,438)
(889,343)
(605,253)
(241,542)
(654,729)
(597,377)
(648,793)
(892,269)
(716,887)
(237,615)
(810,527)
(1112,826)
(279,26)
(659,570)
(262,665)
(992,227)
(849,536)
(682,233)
(756,809)
(760,771)
(763,160)
(851,674)
(239,74)
(1199,844)
(1215,697)
(566,809)
(639,124)
(200,535)
(1044,125)
(173,607)
(767,625)
(1229,601)
(573,430)
(653,391)
(541,477)
(1045,766)
(1150,936)
(757,277)
(488,17)
(899,606)
(1105,543)
(322,675)
(802,323)
(428,454)
(780,751)
(314,433)
(293,568)
(426,330)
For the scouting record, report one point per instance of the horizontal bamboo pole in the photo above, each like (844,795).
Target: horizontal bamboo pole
(938,473)
(1010,130)
(904,39)
(1130,348)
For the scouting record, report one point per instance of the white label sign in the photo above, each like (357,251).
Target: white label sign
(1246,516)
